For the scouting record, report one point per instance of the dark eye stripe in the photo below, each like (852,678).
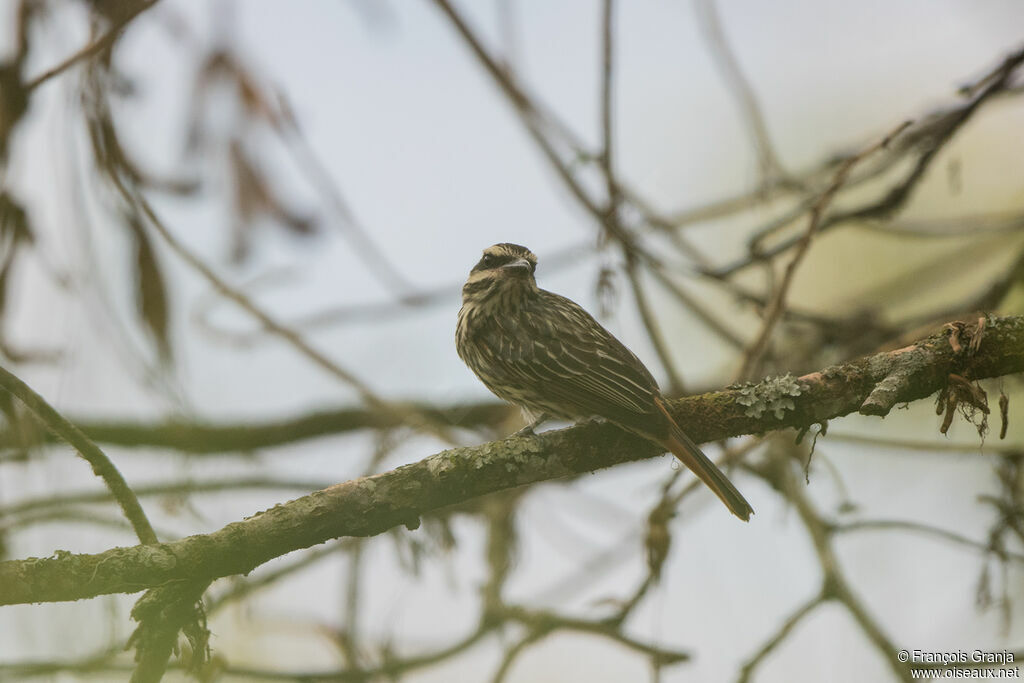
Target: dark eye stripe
(496,259)
(491,261)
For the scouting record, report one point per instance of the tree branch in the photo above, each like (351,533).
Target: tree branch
(205,438)
(97,46)
(101,465)
(371,505)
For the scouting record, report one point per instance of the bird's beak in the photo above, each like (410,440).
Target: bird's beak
(518,264)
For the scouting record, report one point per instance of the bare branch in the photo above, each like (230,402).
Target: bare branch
(94,48)
(778,303)
(204,438)
(911,527)
(772,172)
(271,325)
(927,138)
(787,626)
(101,465)
(371,505)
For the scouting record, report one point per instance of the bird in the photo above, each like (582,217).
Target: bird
(546,354)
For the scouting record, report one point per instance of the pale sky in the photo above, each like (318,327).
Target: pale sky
(437,167)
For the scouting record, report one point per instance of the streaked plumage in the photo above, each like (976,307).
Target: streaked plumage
(546,354)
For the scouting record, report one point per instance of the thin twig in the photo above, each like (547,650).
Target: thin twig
(929,137)
(923,529)
(412,417)
(787,626)
(358,236)
(243,437)
(772,172)
(675,380)
(614,197)
(443,294)
(834,583)
(699,309)
(538,122)
(607,106)
(101,465)
(70,515)
(777,305)
(255,482)
(94,48)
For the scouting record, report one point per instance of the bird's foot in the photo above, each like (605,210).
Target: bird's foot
(528,430)
(525,431)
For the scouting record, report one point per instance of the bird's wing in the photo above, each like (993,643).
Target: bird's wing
(577,362)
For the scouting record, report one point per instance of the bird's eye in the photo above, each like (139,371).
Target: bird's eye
(488,260)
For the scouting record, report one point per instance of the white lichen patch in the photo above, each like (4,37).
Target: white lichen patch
(483,457)
(774,395)
(157,556)
(513,455)
(442,463)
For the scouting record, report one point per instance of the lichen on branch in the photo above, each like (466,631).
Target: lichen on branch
(371,505)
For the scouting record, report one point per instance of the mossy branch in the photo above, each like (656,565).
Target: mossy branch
(374,504)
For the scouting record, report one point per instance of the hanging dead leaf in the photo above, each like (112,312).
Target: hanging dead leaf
(15,230)
(1004,414)
(254,198)
(151,292)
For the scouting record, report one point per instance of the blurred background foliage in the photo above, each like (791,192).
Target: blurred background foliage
(234,235)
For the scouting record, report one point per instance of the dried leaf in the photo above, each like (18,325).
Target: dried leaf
(950,412)
(979,334)
(151,295)
(13,102)
(606,291)
(954,337)
(254,198)
(659,537)
(1004,414)
(14,227)
(14,220)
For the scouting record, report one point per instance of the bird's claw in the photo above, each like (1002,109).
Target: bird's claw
(528,430)
(525,431)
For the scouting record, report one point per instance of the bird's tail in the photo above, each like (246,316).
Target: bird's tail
(691,455)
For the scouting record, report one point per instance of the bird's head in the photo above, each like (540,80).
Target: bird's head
(503,270)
